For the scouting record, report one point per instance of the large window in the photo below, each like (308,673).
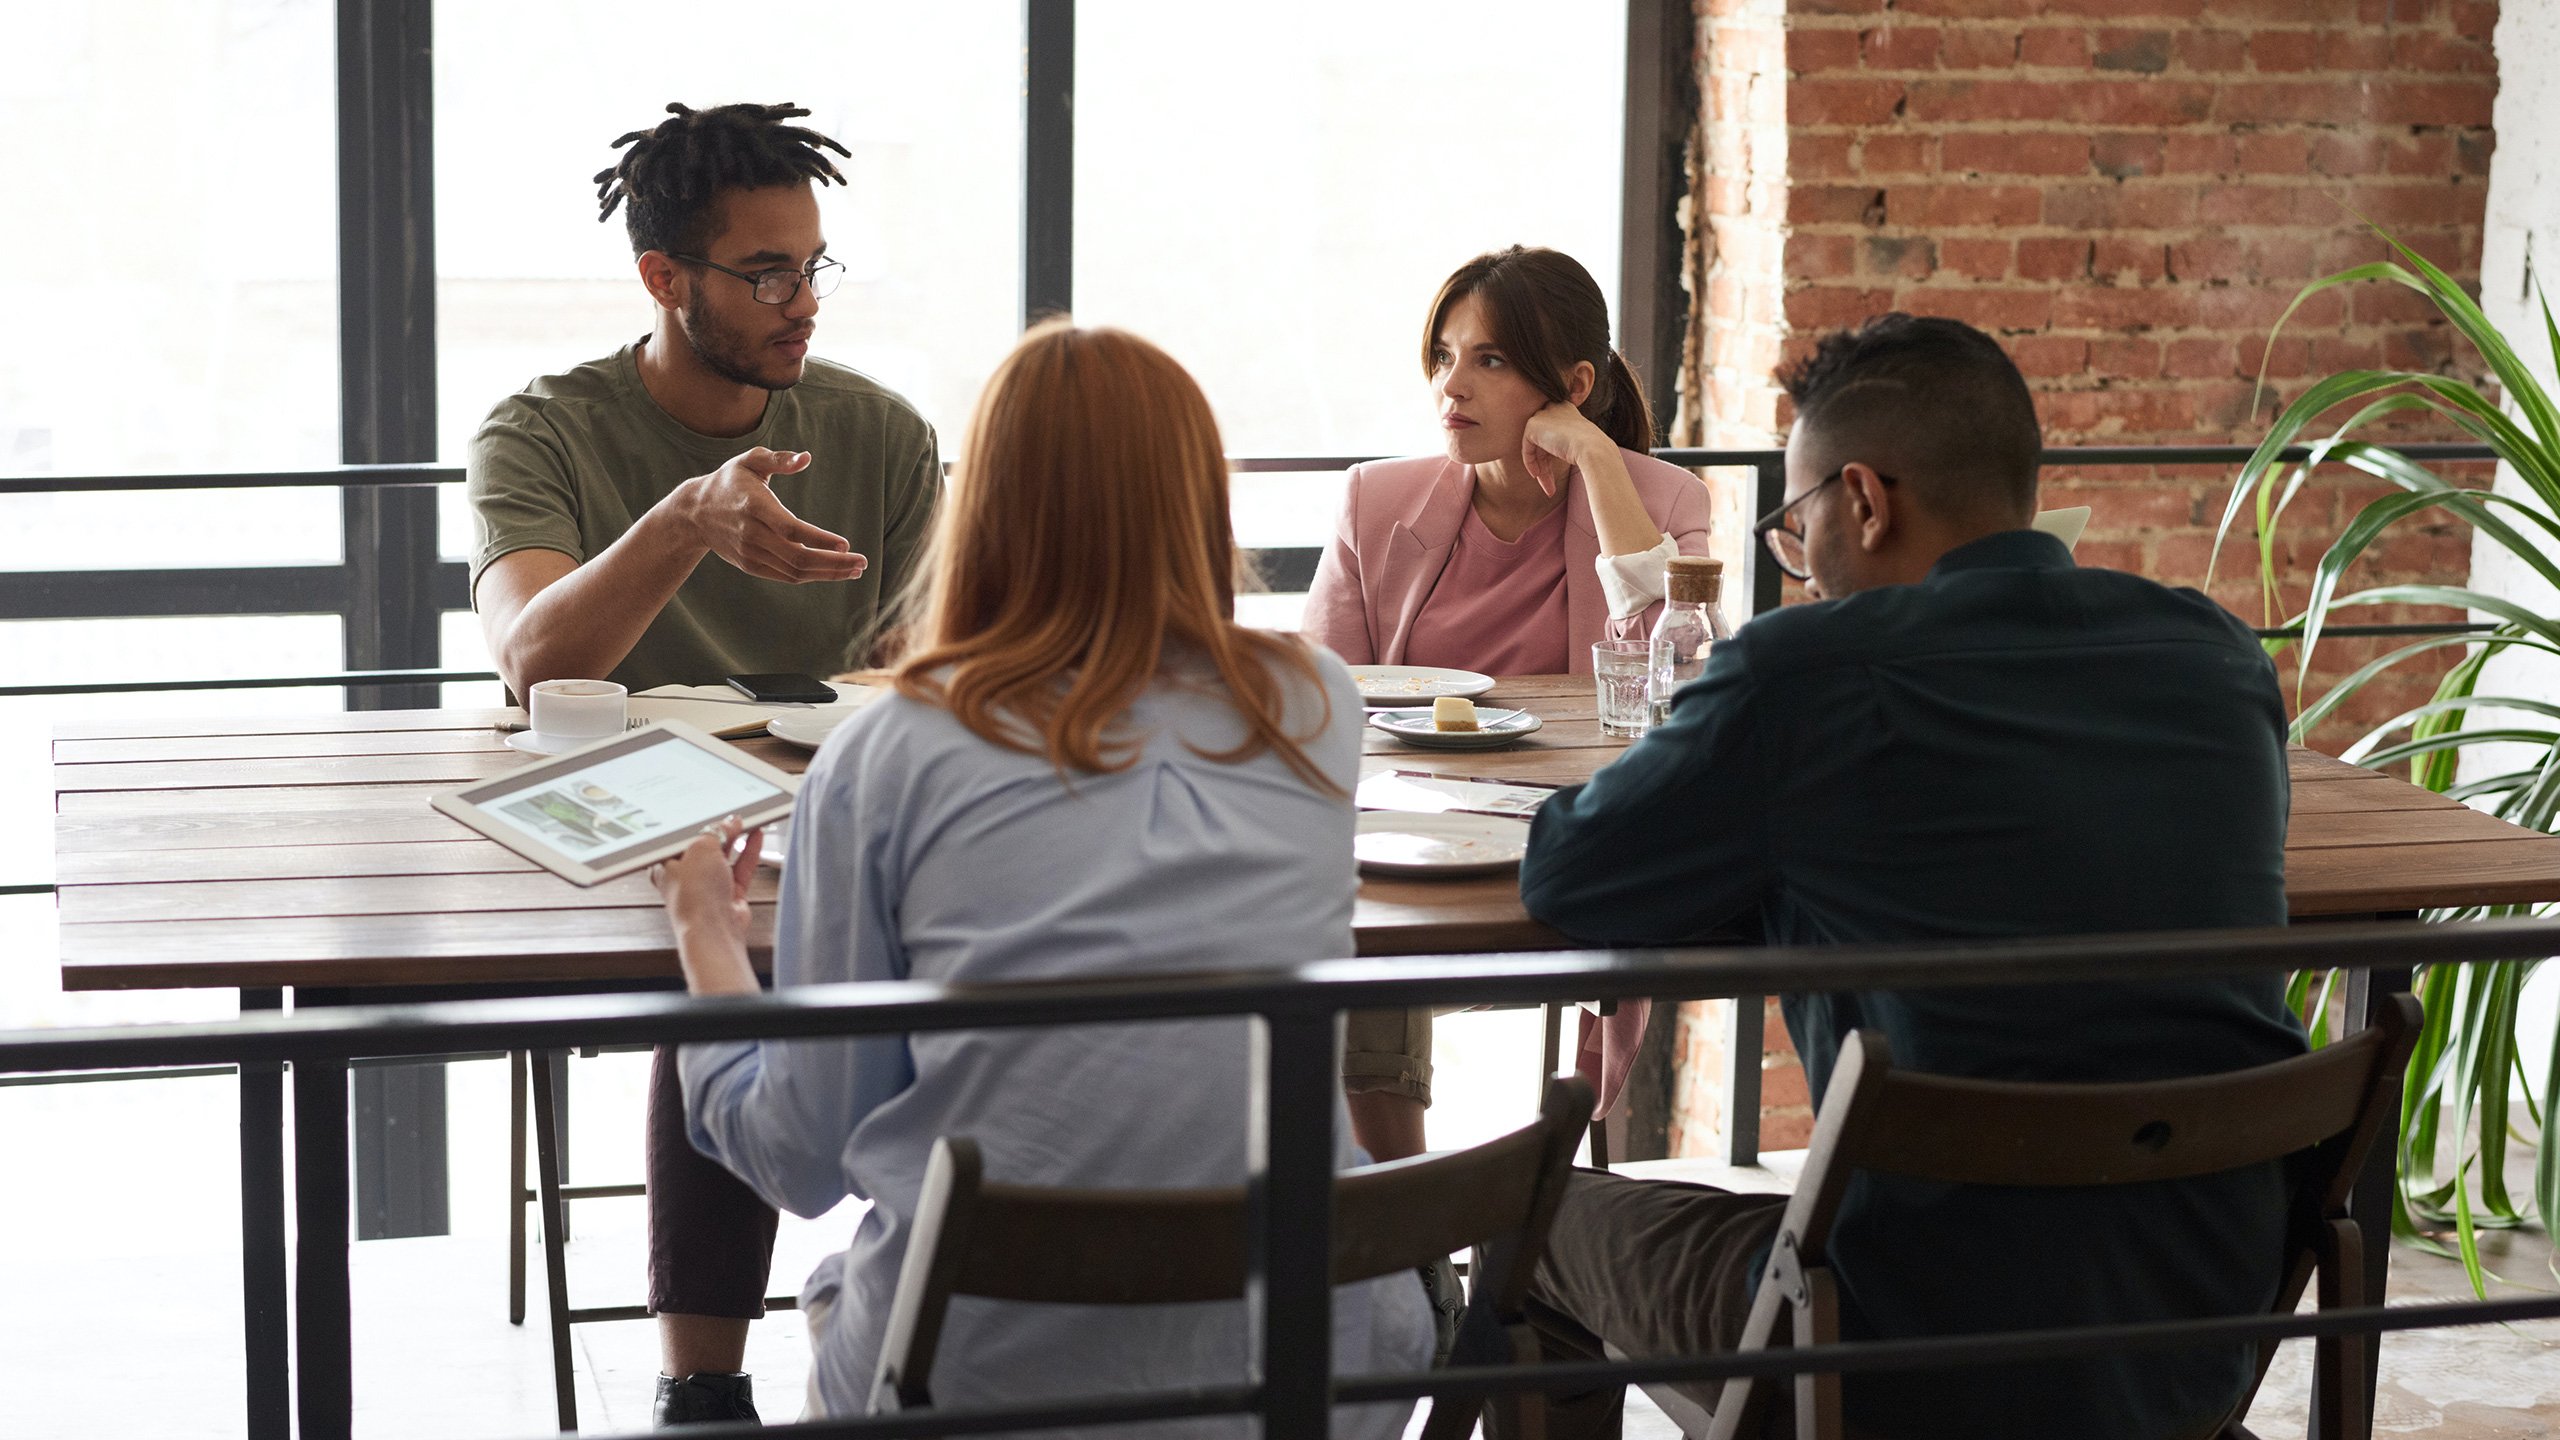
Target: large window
(1275,193)
(530,99)
(170,277)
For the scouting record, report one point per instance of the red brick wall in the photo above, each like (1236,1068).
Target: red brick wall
(2127,193)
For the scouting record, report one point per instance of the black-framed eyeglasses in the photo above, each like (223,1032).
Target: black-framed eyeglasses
(1785,540)
(782,286)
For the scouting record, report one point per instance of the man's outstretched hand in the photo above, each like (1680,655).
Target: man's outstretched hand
(736,515)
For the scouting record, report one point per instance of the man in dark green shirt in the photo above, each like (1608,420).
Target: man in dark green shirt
(1969,737)
(707,501)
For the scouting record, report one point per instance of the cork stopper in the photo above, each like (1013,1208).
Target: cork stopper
(1693,579)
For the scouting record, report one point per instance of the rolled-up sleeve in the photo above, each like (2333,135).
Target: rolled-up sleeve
(1669,842)
(1633,583)
(779,1113)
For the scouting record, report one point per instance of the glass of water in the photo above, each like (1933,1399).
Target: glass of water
(1622,668)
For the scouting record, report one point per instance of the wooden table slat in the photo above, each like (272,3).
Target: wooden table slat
(473,856)
(313,723)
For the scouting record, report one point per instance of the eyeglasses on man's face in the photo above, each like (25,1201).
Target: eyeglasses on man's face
(780,286)
(1782,530)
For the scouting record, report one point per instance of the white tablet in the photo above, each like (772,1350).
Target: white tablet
(624,802)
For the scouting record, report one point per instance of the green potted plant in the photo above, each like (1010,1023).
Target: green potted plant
(2467,1064)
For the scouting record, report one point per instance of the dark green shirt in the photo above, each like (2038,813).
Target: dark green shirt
(2013,747)
(571,461)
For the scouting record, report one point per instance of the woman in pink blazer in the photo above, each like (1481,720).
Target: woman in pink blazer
(1544,526)
(1542,529)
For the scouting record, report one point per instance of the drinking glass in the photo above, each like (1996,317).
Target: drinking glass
(1622,669)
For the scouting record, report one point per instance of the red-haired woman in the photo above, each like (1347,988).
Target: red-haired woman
(1088,769)
(1542,530)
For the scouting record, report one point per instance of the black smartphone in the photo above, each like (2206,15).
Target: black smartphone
(784,689)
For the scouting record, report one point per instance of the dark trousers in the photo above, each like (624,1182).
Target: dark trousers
(1647,1267)
(710,1237)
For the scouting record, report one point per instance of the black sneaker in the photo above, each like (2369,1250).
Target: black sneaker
(705,1399)
(1448,1302)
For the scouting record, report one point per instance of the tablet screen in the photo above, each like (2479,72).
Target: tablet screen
(627,799)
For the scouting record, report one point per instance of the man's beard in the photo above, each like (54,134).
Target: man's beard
(724,350)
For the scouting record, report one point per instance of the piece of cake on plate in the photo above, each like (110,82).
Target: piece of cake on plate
(1453,712)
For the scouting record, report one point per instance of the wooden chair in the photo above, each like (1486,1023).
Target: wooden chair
(973,1236)
(2324,1107)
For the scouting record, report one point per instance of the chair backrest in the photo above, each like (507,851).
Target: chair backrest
(973,1236)
(2325,1108)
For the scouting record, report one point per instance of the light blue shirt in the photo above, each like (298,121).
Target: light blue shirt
(920,851)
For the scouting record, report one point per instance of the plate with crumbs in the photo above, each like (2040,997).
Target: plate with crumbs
(1391,842)
(1494,728)
(1409,684)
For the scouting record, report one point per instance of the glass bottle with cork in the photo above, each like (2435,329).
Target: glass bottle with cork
(1691,625)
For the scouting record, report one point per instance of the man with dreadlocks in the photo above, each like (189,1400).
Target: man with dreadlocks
(706,501)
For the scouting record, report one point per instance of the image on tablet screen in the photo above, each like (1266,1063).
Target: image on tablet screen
(630,799)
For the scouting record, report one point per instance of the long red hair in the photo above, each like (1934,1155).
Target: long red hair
(1086,526)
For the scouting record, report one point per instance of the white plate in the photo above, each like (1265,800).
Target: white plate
(1405,684)
(1390,842)
(1413,727)
(810,728)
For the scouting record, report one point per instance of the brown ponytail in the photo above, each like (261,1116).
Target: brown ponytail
(1548,315)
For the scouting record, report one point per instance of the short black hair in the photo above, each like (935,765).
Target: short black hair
(673,176)
(1932,402)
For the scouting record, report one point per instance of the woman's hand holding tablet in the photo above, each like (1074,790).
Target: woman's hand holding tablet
(623,803)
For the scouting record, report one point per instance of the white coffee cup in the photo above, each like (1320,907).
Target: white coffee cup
(569,713)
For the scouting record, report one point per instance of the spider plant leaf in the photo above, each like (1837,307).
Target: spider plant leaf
(2491,785)
(2435,744)
(2442,768)
(2514,377)
(2355,275)
(2254,478)
(2472,504)
(2347,688)
(2457,597)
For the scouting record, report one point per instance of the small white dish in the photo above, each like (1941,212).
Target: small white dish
(1392,842)
(1404,684)
(1413,727)
(810,728)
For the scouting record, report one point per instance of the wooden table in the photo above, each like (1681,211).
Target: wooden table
(299,853)
(262,852)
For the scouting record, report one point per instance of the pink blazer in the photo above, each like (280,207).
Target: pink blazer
(1400,520)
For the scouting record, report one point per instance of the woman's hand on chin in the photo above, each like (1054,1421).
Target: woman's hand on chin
(705,892)
(1555,443)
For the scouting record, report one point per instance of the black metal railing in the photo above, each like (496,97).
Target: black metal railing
(301,590)
(1294,1082)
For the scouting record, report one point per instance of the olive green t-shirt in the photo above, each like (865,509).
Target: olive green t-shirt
(572,460)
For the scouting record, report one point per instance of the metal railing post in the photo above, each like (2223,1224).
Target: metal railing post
(387,357)
(1048,158)
(1295,1085)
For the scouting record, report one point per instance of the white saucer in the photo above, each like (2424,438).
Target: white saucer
(535,743)
(1413,727)
(1392,842)
(810,728)
(1405,684)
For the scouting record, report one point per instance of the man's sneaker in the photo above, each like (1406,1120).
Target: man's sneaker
(1448,1302)
(706,1398)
